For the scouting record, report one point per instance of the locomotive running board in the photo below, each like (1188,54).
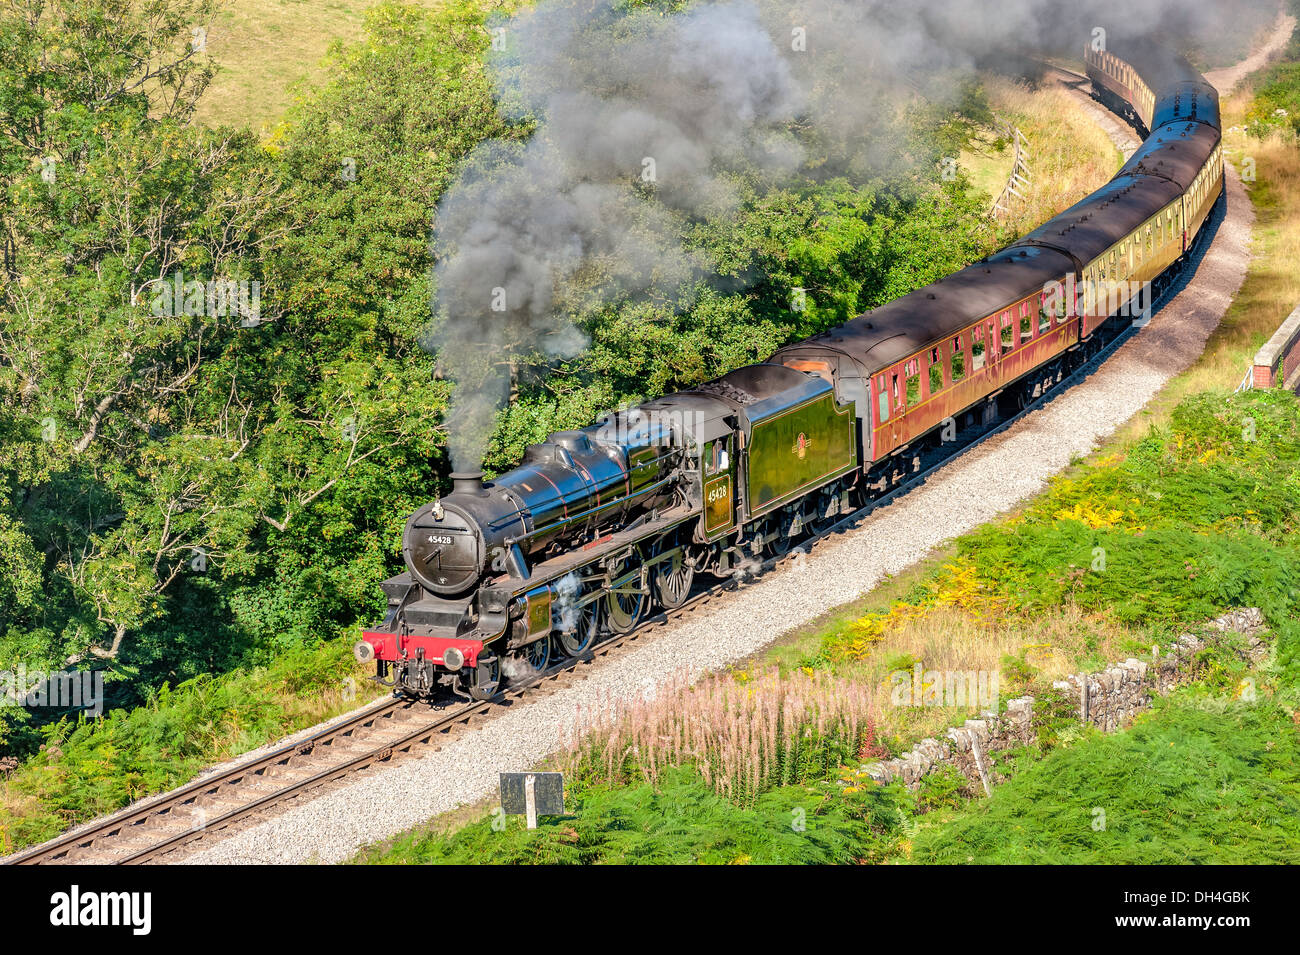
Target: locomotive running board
(548,572)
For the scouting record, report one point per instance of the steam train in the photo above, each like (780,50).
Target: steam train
(599,525)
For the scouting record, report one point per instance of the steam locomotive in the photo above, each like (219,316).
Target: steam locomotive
(599,525)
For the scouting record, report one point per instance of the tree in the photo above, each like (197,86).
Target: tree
(111,200)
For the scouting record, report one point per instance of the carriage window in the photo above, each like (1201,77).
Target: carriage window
(977,348)
(1026,323)
(913,371)
(883,398)
(958,361)
(936,372)
(1007,343)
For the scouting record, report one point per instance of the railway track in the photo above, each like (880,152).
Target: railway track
(370,738)
(182,820)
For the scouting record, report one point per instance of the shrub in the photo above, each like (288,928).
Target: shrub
(1200,781)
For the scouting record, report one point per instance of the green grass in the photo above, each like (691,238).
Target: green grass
(1200,780)
(1199,516)
(1194,519)
(1277,87)
(680,821)
(265,49)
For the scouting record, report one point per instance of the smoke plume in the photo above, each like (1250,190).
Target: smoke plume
(645,120)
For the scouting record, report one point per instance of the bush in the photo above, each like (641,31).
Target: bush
(1199,781)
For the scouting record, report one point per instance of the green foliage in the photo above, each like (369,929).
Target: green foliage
(682,821)
(1194,520)
(179,490)
(108,188)
(89,767)
(942,789)
(1196,782)
(1277,91)
(1056,717)
(1016,674)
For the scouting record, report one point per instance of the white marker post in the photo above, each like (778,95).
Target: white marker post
(532,795)
(530,800)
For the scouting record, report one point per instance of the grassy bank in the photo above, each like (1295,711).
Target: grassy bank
(1205,779)
(1069,156)
(268,51)
(87,768)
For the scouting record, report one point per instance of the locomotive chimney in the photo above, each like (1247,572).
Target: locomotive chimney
(467,482)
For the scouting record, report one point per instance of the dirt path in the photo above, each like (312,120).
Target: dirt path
(1226,80)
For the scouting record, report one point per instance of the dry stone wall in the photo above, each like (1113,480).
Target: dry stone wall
(1108,699)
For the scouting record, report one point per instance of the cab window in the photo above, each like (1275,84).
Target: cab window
(716,458)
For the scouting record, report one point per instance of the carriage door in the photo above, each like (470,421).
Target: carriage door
(719,485)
